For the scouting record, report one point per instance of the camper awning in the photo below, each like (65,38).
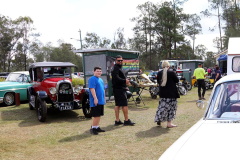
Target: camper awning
(222,57)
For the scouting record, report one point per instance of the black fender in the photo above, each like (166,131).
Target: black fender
(85,93)
(31,91)
(42,95)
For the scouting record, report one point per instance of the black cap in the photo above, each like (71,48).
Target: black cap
(199,64)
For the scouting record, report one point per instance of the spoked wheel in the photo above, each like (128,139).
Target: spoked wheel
(9,99)
(86,107)
(182,90)
(189,86)
(41,110)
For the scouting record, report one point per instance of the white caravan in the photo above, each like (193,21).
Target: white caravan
(233,58)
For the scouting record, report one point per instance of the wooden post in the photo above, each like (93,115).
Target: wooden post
(17,99)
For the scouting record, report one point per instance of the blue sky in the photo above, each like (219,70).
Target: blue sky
(61,19)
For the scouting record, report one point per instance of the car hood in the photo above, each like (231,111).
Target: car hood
(206,140)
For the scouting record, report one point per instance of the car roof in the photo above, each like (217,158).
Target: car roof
(51,64)
(229,78)
(22,72)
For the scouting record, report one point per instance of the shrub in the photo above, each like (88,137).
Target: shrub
(77,81)
(147,73)
(2,79)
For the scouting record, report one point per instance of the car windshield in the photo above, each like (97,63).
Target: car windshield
(56,71)
(171,63)
(225,103)
(15,77)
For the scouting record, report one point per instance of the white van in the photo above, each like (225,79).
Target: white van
(233,58)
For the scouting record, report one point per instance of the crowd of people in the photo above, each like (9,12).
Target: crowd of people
(168,93)
(214,72)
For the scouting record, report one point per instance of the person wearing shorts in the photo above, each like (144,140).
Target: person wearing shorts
(119,85)
(97,99)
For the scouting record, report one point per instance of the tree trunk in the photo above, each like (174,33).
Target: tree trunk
(219,25)
(4,63)
(193,43)
(146,39)
(150,51)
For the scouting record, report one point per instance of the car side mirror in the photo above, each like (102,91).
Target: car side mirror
(200,104)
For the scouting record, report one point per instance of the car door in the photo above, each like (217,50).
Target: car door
(24,84)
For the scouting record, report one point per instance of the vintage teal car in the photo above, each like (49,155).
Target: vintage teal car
(16,82)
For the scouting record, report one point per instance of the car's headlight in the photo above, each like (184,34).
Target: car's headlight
(77,90)
(53,90)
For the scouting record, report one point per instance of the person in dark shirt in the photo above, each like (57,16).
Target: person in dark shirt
(119,85)
(168,96)
(218,74)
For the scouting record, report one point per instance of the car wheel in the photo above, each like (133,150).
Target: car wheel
(9,99)
(86,107)
(41,110)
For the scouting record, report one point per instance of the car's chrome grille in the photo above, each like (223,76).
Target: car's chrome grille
(65,92)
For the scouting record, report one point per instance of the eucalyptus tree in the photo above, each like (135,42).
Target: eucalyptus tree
(200,51)
(144,24)
(193,27)
(231,14)
(119,40)
(26,26)
(10,35)
(176,3)
(92,40)
(215,5)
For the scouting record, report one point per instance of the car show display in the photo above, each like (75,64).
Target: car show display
(16,82)
(52,84)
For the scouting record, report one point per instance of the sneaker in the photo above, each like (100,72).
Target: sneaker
(199,98)
(129,123)
(203,98)
(100,130)
(118,122)
(93,131)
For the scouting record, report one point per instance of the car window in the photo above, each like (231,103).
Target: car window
(226,101)
(15,77)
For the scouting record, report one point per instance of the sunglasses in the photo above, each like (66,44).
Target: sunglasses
(119,60)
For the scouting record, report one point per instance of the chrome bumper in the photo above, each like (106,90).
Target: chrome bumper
(1,100)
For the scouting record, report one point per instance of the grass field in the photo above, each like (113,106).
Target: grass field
(65,135)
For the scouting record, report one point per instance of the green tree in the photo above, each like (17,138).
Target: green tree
(210,60)
(215,5)
(193,28)
(92,40)
(119,40)
(200,51)
(144,26)
(26,26)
